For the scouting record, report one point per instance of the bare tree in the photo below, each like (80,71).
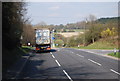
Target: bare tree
(28,34)
(91,18)
(92,28)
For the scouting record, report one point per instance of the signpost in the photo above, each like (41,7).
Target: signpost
(53,38)
(115,51)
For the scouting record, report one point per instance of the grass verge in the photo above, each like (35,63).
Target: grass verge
(99,45)
(26,49)
(9,57)
(115,55)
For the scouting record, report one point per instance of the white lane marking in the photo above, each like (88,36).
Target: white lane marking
(51,53)
(107,50)
(114,71)
(80,55)
(53,56)
(88,51)
(58,63)
(95,62)
(67,75)
(91,52)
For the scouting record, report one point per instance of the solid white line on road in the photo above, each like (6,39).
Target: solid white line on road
(88,51)
(95,62)
(114,71)
(91,52)
(53,56)
(51,53)
(58,63)
(67,75)
(80,55)
(106,50)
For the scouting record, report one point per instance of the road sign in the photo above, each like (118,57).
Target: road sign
(53,38)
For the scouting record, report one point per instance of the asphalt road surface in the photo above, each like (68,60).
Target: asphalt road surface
(69,64)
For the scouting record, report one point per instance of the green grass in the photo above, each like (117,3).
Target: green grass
(27,49)
(115,55)
(102,45)
(99,45)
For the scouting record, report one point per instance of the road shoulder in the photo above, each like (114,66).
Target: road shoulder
(100,52)
(111,57)
(14,70)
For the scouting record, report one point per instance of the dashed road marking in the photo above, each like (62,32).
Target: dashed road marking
(57,63)
(80,55)
(114,71)
(53,56)
(67,75)
(95,62)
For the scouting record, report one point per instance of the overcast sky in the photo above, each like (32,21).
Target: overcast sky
(69,12)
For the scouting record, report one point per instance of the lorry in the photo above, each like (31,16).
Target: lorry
(43,40)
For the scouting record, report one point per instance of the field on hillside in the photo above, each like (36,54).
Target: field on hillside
(76,30)
(70,34)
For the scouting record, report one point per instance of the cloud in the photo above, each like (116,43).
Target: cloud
(54,8)
(53,15)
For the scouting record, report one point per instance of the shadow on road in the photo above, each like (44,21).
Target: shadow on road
(31,69)
(38,68)
(15,68)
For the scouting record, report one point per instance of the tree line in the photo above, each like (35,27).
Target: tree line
(14,25)
(96,30)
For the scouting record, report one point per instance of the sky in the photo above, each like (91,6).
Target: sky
(69,12)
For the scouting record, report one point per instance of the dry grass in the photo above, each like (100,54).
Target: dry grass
(70,34)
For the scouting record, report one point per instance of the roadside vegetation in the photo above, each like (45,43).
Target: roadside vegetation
(13,22)
(93,33)
(115,55)
(101,44)
(13,55)
(27,49)
(98,34)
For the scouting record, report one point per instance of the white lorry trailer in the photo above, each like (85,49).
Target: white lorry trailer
(43,40)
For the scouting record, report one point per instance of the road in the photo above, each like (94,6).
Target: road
(69,64)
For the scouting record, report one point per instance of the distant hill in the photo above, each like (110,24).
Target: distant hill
(106,20)
(77,25)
